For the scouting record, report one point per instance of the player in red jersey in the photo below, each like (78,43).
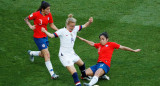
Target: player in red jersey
(105,51)
(41,19)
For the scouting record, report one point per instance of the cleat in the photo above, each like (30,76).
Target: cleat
(54,76)
(86,84)
(86,78)
(31,56)
(105,77)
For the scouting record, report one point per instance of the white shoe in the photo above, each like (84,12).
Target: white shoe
(86,84)
(105,77)
(54,76)
(31,56)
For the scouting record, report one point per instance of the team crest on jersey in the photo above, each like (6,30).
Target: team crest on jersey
(101,65)
(106,45)
(43,45)
(48,18)
(31,15)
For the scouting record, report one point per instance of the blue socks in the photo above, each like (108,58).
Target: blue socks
(76,80)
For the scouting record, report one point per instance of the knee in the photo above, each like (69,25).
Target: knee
(47,55)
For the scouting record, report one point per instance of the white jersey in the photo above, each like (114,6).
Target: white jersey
(67,38)
(67,54)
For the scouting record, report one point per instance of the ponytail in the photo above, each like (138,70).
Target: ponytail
(44,5)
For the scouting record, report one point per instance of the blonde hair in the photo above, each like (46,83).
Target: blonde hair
(70,19)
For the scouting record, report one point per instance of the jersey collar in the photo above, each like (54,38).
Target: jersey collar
(67,30)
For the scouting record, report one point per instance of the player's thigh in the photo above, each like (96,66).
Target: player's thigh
(71,69)
(89,72)
(42,43)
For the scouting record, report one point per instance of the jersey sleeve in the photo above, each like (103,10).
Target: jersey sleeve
(96,45)
(32,16)
(58,33)
(78,28)
(115,45)
(50,20)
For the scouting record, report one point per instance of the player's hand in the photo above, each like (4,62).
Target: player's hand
(77,36)
(32,27)
(90,19)
(137,50)
(43,29)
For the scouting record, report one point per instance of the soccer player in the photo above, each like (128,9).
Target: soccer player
(41,18)
(105,51)
(67,55)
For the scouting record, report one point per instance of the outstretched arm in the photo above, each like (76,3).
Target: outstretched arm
(47,33)
(128,49)
(88,23)
(88,42)
(32,27)
(53,26)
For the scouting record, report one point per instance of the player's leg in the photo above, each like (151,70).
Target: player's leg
(34,53)
(95,78)
(89,72)
(81,65)
(48,63)
(82,68)
(74,74)
(38,42)
(101,70)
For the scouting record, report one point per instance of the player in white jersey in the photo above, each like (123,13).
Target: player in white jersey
(67,55)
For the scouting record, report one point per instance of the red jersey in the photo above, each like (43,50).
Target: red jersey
(39,22)
(105,51)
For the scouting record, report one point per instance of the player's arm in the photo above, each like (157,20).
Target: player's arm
(88,23)
(53,26)
(88,42)
(32,27)
(128,49)
(47,33)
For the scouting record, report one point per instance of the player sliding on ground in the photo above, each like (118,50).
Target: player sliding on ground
(67,55)
(105,51)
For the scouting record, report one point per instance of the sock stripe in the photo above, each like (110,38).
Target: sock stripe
(77,83)
(51,70)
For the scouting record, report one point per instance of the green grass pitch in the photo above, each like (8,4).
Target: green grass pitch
(132,23)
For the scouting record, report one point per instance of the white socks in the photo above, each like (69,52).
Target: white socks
(93,81)
(35,53)
(49,67)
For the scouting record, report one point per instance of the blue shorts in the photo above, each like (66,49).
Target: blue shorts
(42,43)
(105,67)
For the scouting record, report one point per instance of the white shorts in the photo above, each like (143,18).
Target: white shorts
(68,59)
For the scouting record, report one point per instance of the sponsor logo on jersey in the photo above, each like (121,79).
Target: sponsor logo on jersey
(48,18)
(31,15)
